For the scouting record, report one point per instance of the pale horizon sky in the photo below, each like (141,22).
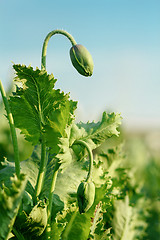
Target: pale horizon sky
(122,36)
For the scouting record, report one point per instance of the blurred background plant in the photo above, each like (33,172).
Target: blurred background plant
(142,162)
(6,147)
(144,158)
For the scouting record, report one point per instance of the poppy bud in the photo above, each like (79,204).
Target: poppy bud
(85,196)
(81,60)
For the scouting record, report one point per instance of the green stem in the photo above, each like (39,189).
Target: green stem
(80,142)
(52,187)
(42,170)
(45,44)
(69,225)
(43,161)
(13,130)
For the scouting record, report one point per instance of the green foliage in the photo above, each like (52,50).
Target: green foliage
(124,203)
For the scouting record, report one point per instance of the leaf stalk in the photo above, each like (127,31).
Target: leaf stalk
(42,170)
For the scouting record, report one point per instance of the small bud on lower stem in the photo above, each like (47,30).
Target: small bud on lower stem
(85,196)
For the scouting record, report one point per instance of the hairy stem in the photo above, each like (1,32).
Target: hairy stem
(13,130)
(84,144)
(45,44)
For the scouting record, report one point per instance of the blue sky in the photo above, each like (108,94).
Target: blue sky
(122,36)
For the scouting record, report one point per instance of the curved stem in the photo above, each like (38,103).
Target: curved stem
(45,44)
(80,142)
(43,146)
(55,171)
(13,130)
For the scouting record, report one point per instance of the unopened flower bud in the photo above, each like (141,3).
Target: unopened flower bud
(81,60)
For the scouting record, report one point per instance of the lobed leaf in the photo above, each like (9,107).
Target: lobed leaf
(38,109)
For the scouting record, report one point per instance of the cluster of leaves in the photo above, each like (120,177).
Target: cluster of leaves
(43,113)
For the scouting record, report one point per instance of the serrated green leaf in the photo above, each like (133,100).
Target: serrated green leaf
(58,121)
(96,133)
(10,199)
(65,153)
(30,102)
(38,109)
(92,133)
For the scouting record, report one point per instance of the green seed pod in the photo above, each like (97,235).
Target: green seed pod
(85,196)
(81,60)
